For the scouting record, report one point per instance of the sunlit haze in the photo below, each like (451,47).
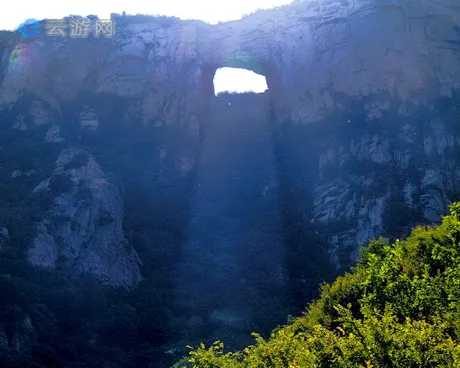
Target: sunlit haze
(238,80)
(211,11)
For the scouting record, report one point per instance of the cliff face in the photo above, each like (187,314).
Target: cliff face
(82,229)
(310,52)
(364,96)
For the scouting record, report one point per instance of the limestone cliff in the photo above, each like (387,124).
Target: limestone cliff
(82,230)
(364,96)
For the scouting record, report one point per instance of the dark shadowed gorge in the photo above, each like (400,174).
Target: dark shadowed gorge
(140,213)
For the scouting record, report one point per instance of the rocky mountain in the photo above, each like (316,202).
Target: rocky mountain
(83,227)
(105,139)
(379,78)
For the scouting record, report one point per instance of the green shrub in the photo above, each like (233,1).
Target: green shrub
(400,307)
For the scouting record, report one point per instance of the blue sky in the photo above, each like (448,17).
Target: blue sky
(211,11)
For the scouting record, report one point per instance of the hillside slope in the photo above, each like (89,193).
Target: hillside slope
(400,307)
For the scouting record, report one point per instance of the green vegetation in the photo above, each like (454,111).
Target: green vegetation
(126,19)
(399,307)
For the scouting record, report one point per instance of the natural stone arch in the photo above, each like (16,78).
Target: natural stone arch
(238,80)
(243,60)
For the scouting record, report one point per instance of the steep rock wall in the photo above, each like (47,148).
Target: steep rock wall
(367,88)
(82,229)
(311,52)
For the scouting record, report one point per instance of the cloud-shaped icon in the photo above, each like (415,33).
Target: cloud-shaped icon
(28,28)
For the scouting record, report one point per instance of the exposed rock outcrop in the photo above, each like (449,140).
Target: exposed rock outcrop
(312,53)
(82,230)
(379,78)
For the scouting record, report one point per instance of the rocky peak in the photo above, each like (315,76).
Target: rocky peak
(82,230)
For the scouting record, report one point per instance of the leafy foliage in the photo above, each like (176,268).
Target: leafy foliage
(162,20)
(400,307)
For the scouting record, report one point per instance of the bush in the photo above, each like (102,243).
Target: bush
(400,307)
